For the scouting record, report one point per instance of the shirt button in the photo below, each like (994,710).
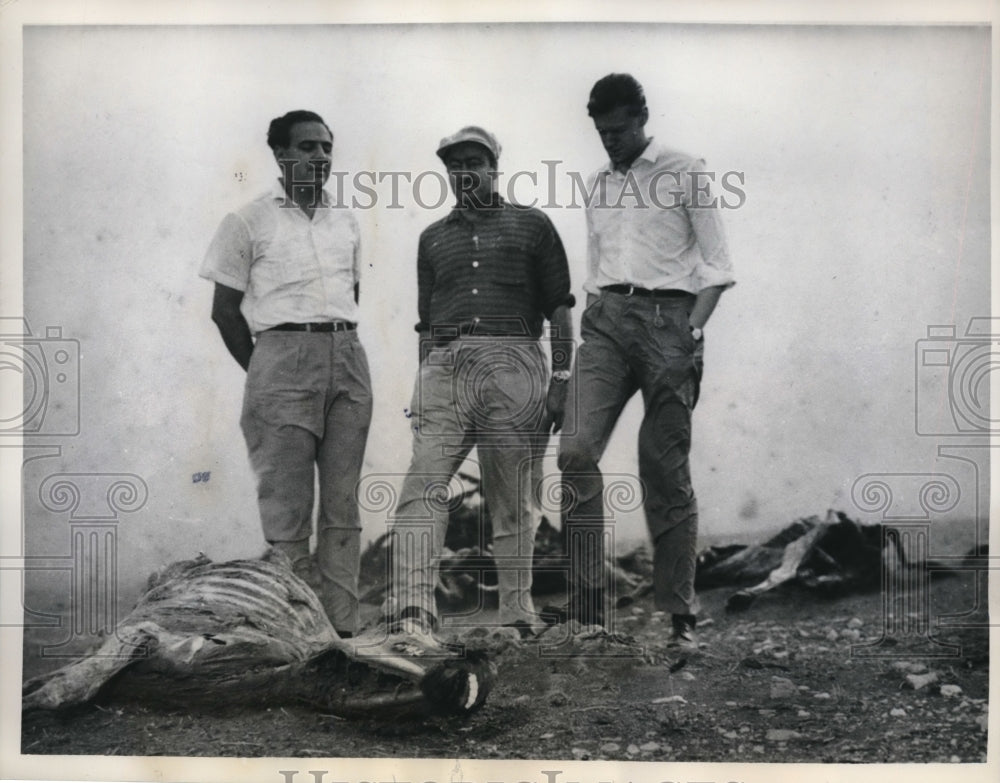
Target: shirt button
(475,263)
(475,290)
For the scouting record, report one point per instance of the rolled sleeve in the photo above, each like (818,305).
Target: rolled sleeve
(714,267)
(230,254)
(553,269)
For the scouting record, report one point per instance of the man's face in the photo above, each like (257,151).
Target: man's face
(622,134)
(306,159)
(470,172)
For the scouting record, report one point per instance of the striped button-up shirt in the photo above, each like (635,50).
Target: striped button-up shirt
(500,274)
(290,268)
(656,225)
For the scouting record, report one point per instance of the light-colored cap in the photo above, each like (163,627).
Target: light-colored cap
(474,134)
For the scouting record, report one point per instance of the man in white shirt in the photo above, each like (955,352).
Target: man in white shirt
(286,270)
(657,265)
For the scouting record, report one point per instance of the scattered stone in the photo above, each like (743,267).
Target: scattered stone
(804,633)
(851,634)
(547,735)
(803,714)
(558,699)
(687,676)
(832,635)
(758,748)
(855,622)
(649,747)
(910,667)
(731,735)
(706,623)
(731,704)
(823,696)
(782,735)
(955,760)
(918,681)
(632,750)
(983,721)
(897,712)
(783,688)
(670,700)
(580,754)
(610,747)
(658,614)
(637,610)
(950,691)
(522,699)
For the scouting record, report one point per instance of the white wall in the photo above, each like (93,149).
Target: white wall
(866,161)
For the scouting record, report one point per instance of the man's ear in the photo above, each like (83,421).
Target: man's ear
(643,116)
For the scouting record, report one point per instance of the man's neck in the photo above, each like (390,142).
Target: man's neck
(626,165)
(306,197)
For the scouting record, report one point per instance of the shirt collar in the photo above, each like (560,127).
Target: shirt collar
(278,193)
(649,154)
(458,213)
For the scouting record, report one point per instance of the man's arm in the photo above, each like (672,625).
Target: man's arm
(232,325)
(562,359)
(704,304)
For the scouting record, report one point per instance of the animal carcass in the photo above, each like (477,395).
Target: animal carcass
(250,632)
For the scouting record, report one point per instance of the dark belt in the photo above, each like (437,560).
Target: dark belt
(631,290)
(326,326)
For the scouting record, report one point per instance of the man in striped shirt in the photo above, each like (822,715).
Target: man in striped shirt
(489,275)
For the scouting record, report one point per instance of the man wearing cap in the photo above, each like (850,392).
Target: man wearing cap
(489,275)
(657,265)
(286,270)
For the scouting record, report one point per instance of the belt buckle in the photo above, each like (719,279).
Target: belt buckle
(310,327)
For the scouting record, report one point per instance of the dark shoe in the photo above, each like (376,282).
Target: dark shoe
(682,634)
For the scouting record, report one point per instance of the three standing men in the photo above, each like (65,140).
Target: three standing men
(657,265)
(286,270)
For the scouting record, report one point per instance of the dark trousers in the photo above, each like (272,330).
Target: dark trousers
(630,344)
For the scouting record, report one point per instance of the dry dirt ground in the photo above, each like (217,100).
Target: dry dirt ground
(790,679)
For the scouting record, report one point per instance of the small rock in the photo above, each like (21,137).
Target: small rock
(983,721)
(731,735)
(546,735)
(783,688)
(580,754)
(910,667)
(782,735)
(670,700)
(822,696)
(731,704)
(658,614)
(803,714)
(558,699)
(610,747)
(649,747)
(950,691)
(897,712)
(707,622)
(851,634)
(855,622)
(955,760)
(832,635)
(632,750)
(637,610)
(522,699)
(687,676)
(758,748)
(918,681)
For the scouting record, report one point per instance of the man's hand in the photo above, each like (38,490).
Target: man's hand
(232,326)
(555,406)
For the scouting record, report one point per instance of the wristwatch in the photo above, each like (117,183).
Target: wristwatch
(560,376)
(697,333)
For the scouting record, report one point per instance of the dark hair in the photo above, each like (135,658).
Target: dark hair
(614,90)
(279,132)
